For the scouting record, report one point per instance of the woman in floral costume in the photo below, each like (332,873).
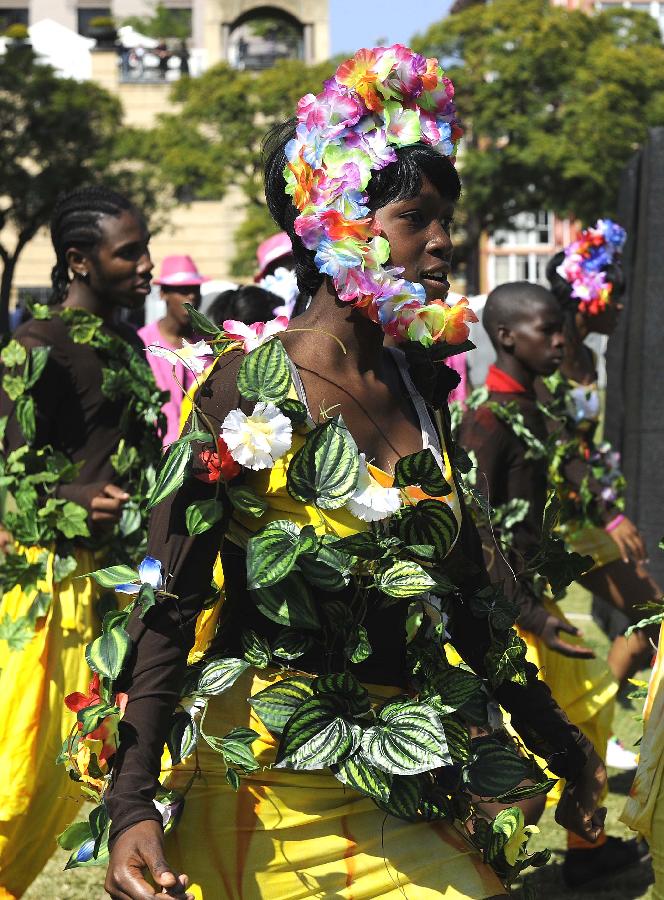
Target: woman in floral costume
(79,414)
(315,487)
(588,282)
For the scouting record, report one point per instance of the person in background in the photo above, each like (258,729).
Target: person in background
(248,303)
(276,273)
(183,53)
(180,283)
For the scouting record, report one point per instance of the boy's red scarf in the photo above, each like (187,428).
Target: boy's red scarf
(502,383)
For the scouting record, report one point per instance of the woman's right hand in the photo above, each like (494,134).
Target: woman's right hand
(577,808)
(106,506)
(140,850)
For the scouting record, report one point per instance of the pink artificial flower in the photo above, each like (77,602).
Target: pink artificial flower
(332,110)
(252,336)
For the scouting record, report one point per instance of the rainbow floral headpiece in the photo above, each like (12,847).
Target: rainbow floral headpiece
(376,101)
(586,261)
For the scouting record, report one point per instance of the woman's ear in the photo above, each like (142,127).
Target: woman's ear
(78,262)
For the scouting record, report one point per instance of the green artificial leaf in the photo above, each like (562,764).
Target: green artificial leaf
(364,545)
(203,437)
(17,570)
(403,578)
(246,501)
(218,675)
(458,739)
(275,705)
(644,623)
(36,365)
(265,374)
(83,325)
(350,695)
(358,648)
(461,461)
(202,515)
(91,717)
(243,735)
(256,649)
(272,553)
(73,520)
(14,354)
(291,644)
(505,660)
(200,324)
(25,415)
(106,654)
(233,779)
(74,835)
(421,469)
(295,410)
(114,618)
(325,470)
(407,739)
(561,567)
(13,386)
(530,790)
(183,737)
(405,798)
(237,753)
(494,769)
(490,602)
(288,603)
(113,575)
(147,598)
(429,522)
(327,569)
(16,632)
(315,736)
(63,567)
(171,474)
(454,687)
(358,774)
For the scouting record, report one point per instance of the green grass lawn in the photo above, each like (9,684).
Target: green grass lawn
(87,884)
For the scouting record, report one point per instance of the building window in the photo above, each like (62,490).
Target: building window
(14,16)
(527,229)
(86,14)
(259,40)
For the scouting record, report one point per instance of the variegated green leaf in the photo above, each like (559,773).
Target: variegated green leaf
(346,689)
(201,515)
(106,655)
(357,773)
(458,739)
(421,469)
(454,687)
(246,501)
(405,797)
(275,705)
(324,471)
(403,578)
(288,603)
(218,675)
(408,739)
(494,769)
(272,553)
(265,373)
(256,649)
(333,743)
(171,475)
(113,575)
(291,644)
(429,522)
(328,569)
(183,736)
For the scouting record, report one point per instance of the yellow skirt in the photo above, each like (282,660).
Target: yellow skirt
(644,810)
(293,835)
(584,689)
(593,541)
(37,798)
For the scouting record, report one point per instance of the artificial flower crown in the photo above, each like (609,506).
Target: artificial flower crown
(376,101)
(585,263)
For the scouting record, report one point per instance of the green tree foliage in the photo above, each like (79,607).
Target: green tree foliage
(164,22)
(57,134)
(555,103)
(214,140)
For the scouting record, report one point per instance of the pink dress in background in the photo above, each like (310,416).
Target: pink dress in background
(458,363)
(167,379)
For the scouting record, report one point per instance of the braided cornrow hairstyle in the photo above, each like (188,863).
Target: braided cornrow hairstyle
(75,223)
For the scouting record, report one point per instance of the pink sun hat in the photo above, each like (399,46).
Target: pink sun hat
(272,249)
(176,270)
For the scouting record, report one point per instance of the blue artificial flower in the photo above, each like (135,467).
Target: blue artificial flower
(85,852)
(150,572)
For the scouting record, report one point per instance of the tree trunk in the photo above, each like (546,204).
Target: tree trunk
(473,234)
(5,292)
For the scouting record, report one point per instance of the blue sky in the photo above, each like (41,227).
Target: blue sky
(360,23)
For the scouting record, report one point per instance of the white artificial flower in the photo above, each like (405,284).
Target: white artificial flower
(372,502)
(192,356)
(258,440)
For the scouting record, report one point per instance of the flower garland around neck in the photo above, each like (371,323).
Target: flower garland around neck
(377,101)
(585,263)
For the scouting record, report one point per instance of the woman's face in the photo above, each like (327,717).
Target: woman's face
(419,234)
(120,268)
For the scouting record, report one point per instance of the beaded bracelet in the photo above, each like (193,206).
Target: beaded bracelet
(614,523)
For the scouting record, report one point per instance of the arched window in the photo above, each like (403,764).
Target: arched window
(259,38)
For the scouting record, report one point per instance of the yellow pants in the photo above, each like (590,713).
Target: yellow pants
(37,798)
(294,835)
(584,689)
(644,810)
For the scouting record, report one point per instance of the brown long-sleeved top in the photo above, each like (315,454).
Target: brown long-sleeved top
(507,471)
(154,675)
(72,413)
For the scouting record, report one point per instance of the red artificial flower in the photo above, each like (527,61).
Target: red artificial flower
(218,465)
(105,732)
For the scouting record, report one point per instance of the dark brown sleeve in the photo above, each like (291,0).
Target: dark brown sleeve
(537,718)
(495,450)
(161,643)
